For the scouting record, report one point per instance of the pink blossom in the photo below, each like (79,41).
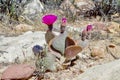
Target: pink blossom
(49,19)
(89,27)
(64,20)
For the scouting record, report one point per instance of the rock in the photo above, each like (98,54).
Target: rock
(108,71)
(98,44)
(84,44)
(63,5)
(114,25)
(33,7)
(98,49)
(2,68)
(116,40)
(114,50)
(31,13)
(76,7)
(84,4)
(18,71)
(98,52)
(67,5)
(23,28)
(110,30)
(103,33)
(19,48)
(99,34)
(61,75)
(99,26)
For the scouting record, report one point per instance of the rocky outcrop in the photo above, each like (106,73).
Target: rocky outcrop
(19,48)
(67,6)
(31,12)
(33,7)
(84,4)
(76,7)
(108,71)
(18,71)
(23,28)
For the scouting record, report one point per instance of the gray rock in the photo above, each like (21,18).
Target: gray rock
(33,7)
(84,4)
(108,71)
(66,5)
(20,48)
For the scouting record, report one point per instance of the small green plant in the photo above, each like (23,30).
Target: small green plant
(103,8)
(12,8)
(44,62)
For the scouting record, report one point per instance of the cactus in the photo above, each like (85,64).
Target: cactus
(46,61)
(59,43)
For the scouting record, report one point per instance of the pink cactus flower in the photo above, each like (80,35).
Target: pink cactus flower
(63,25)
(49,19)
(64,20)
(89,27)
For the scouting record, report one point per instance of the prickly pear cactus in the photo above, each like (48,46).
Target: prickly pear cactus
(50,62)
(45,62)
(48,36)
(59,42)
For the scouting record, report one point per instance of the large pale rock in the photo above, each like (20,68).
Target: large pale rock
(20,48)
(18,71)
(23,28)
(68,6)
(84,4)
(108,71)
(33,7)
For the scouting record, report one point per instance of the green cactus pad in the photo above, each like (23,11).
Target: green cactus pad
(59,43)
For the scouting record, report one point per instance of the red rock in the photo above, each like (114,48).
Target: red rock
(18,71)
